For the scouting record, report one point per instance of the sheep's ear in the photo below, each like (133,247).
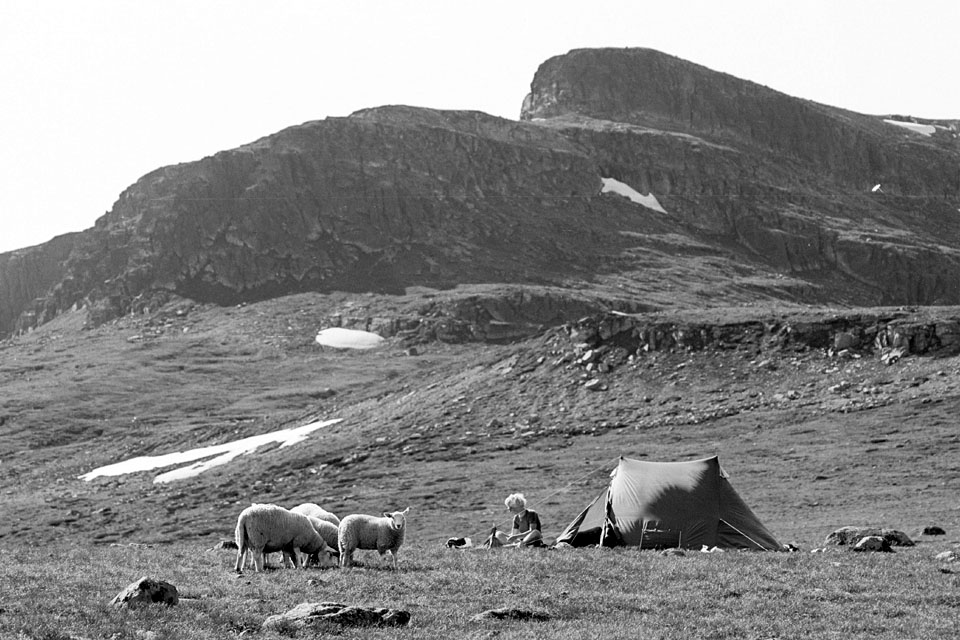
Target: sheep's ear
(405,511)
(386,514)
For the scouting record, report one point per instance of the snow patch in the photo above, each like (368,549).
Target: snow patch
(923,129)
(209,457)
(611,185)
(339,338)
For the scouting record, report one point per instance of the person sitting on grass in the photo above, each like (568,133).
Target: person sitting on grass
(526,526)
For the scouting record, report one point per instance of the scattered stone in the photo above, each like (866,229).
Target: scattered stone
(948,556)
(307,614)
(508,613)
(853,535)
(890,356)
(872,543)
(146,591)
(933,531)
(595,385)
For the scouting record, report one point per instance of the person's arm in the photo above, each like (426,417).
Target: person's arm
(513,529)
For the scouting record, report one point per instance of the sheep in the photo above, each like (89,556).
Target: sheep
(329,532)
(315,510)
(358,531)
(265,528)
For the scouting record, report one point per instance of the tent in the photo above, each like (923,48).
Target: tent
(669,504)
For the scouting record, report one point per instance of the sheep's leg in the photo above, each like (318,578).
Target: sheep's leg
(241,558)
(258,560)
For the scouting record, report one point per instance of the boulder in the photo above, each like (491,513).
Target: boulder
(872,543)
(853,535)
(933,531)
(307,614)
(146,591)
(510,613)
(845,340)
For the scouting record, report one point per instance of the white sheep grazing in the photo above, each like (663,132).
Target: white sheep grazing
(358,531)
(330,533)
(265,528)
(315,510)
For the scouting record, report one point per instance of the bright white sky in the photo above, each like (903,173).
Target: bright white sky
(96,93)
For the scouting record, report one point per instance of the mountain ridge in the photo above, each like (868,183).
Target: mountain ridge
(767,197)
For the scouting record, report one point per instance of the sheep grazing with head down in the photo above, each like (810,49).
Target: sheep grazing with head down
(358,531)
(265,528)
(330,534)
(315,510)
(328,531)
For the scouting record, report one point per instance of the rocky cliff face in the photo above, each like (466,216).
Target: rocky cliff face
(767,197)
(773,176)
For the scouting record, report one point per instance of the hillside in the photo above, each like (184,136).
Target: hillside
(813,439)
(657,260)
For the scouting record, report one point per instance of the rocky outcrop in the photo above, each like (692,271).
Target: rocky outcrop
(25,276)
(759,189)
(935,331)
(498,315)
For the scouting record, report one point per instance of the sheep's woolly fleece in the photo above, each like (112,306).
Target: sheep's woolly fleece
(315,510)
(359,531)
(268,526)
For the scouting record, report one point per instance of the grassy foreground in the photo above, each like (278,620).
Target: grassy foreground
(63,592)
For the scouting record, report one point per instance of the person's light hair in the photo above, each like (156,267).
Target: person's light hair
(515,500)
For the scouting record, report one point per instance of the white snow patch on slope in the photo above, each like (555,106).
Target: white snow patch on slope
(611,185)
(209,457)
(339,338)
(924,129)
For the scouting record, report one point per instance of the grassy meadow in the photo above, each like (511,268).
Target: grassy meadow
(62,592)
(811,442)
